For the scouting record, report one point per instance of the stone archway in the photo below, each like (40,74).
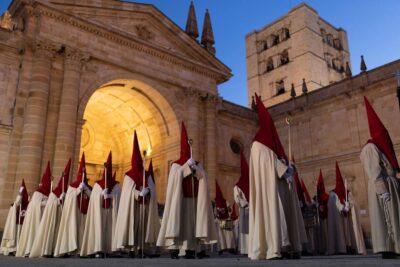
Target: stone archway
(111,114)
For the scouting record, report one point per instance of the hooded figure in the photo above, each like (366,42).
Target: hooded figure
(344,228)
(381,167)
(14,221)
(101,214)
(33,214)
(188,220)
(322,203)
(275,225)
(241,196)
(309,210)
(137,213)
(226,234)
(45,239)
(72,223)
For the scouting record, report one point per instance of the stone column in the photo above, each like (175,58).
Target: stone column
(211,161)
(66,130)
(192,120)
(31,145)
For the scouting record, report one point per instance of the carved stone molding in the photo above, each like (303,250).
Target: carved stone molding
(75,55)
(193,93)
(127,42)
(44,47)
(143,33)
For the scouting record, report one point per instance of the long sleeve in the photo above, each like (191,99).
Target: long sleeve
(371,162)
(239,197)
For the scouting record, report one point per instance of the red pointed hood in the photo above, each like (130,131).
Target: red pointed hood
(108,182)
(233,213)
(62,185)
(307,197)
(267,134)
(340,189)
(81,173)
(220,201)
(24,195)
(244,180)
(150,171)
(45,183)
(136,171)
(321,192)
(380,136)
(185,148)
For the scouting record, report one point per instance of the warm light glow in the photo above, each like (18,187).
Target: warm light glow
(111,116)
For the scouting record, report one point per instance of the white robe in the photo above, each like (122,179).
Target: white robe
(226,237)
(385,226)
(358,242)
(129,218)
(243,204)
(268,231)
(100,222)
(46,235)
(336,226)
(72,224)
(344,231)
(11,233)
(31,224)
(177,224)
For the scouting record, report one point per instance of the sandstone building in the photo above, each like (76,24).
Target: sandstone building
(82,77)
(300,45)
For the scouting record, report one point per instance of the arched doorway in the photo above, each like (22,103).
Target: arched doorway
(111,115)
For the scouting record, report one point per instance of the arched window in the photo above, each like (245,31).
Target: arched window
(275,39)
(270,64)
(323,35)
(329,39)
(284,57)
(285,34)
(265,45)
(337,44)
(280,87)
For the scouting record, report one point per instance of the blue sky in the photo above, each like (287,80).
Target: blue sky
(371,25)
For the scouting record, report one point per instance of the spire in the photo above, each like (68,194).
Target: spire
(207,36)
(191,24)
(363,66)
(348,70)
(293,91)
(304,87)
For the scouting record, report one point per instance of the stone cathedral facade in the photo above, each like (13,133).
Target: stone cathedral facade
(81,76)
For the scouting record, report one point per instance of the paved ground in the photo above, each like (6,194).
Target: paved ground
(214,261)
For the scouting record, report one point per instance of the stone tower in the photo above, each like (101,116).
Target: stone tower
(300,45)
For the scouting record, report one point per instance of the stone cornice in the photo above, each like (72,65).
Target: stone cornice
(131,42)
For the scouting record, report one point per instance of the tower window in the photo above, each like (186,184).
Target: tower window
(284,57)
(270,64)
(329,39)
(275,39)
(337,44)
(280,87)
(285,34)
